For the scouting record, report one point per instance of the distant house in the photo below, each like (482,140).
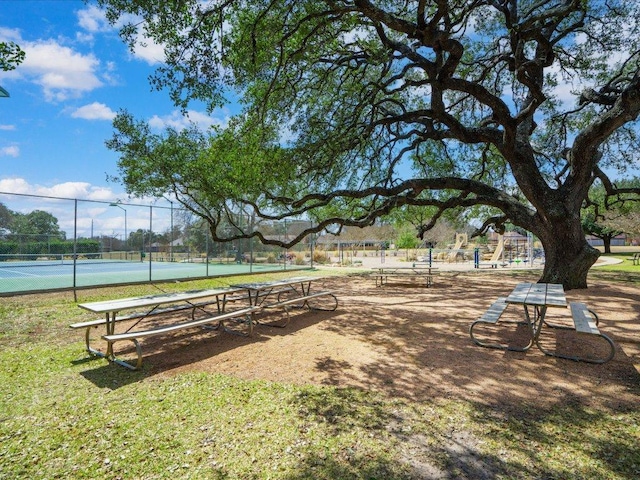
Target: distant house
(617,241)
(334,242)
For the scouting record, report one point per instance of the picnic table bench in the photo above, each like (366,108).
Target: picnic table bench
(535,299)
(635,258)
(585,321)
(405,272)
(214,322)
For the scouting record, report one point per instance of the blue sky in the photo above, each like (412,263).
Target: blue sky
(76,75)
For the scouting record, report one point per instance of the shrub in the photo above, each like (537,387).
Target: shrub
(321,257)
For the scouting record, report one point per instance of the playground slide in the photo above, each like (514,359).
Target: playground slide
(497,254)
(460,239)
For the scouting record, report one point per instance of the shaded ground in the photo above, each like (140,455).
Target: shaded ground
(413,342)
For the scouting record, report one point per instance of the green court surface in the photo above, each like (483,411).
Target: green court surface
(18,278)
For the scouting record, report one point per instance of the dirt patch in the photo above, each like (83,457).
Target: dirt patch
(412,342)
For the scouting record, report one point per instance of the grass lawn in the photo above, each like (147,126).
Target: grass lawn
(65,416)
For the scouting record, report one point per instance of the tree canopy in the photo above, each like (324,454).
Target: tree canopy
(36,222)
(355,108)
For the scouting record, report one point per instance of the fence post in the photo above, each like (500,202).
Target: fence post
(75,246)
(206,248)
(251,226)
(150,237)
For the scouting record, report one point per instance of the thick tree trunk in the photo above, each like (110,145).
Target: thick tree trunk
(606,240)
(568,255)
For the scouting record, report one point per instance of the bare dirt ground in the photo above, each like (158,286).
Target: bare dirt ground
(408,341)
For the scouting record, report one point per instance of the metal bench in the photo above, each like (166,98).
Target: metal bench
(491,316)
(219,320)
(585,322)
(635,258)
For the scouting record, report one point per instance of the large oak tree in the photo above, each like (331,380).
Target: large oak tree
(354,108)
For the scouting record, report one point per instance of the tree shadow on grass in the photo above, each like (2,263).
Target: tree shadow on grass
(433,443)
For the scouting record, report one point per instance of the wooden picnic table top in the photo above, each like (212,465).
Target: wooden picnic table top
(153,300)
(538,294)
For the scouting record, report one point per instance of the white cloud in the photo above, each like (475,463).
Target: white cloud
(60,71)
(7,127)
(68,190)
(11,151)
(79,190)
(9,34)
(93,20)
(178,121)
(94,111)
(149,51)
(94,217)
(14,185)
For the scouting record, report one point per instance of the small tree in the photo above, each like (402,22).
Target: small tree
(407,240)
(37,222)
(6,217)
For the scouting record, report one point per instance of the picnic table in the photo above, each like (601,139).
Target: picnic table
(535,299)
(404,272)
(211,302)
(293,292)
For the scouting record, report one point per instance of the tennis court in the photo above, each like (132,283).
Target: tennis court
(55,274)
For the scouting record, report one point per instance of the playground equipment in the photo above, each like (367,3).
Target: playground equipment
(497,253)
(461,240)
(496,257)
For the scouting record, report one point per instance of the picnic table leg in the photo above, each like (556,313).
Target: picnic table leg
(533,322)
(87,341)
(531,325)
(331,308)
(111,328)
(577,358)
(305,292)
(124,364)
(252,302)
(249,322)
(493,321)
(305,289)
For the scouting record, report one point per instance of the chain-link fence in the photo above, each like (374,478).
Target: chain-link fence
(49,243)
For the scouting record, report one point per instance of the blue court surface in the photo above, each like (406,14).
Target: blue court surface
(20,277)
